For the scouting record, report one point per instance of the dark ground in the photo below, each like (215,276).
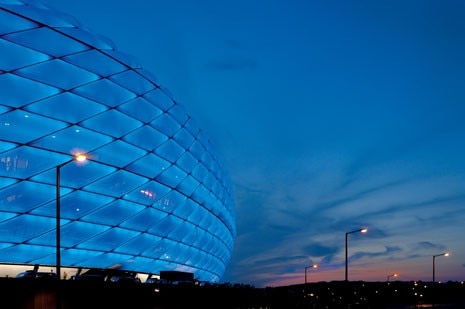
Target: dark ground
(40,294)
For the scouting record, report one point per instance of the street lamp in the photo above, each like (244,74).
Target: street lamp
(434,262)
(312,266)
(389,276)
(362,230)
(80,158)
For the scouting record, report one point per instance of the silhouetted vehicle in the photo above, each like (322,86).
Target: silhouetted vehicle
(156,281)
(107,275)
(92,275)
(124,279)
(31,274)
(152,280)
(182,283)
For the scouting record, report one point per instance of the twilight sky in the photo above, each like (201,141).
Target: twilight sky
(328,115)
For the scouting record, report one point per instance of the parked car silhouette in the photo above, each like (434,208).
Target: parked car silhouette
(124,279)
(31,274)
(107,275)
(92,275)
(157,281)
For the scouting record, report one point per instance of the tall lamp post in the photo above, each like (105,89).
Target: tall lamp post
(80,158)
(389,276)
(311,266)
(362,230)
(434,262)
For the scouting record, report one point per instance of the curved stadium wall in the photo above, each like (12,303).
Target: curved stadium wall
(152,197)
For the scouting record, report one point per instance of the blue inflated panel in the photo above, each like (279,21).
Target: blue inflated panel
(153,194)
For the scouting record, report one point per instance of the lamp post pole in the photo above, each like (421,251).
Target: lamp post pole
(389,276)
(362,230)
(79,158)
(58,216)
(434,262)
(312,266)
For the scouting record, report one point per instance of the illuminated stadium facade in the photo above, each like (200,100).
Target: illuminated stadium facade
(152,197)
